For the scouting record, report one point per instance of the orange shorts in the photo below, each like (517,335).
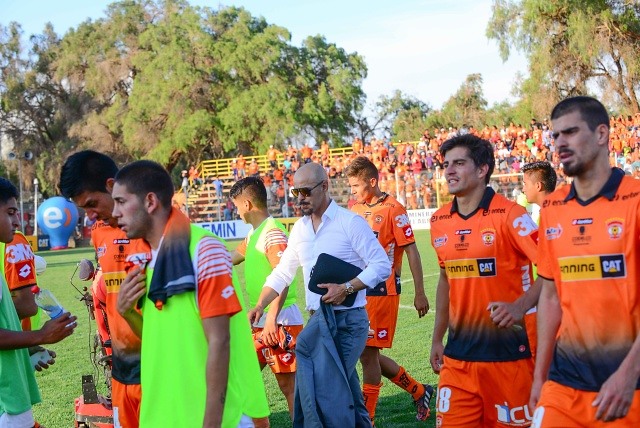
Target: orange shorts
(279,362)
(565,407)
(383,317)
(477,394)
(126,403)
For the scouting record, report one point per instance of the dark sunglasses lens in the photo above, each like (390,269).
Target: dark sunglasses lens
(304,191)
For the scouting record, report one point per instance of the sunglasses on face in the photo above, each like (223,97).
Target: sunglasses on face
(304,191)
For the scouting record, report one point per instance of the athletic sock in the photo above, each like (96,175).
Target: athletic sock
(371,394)
(409,384)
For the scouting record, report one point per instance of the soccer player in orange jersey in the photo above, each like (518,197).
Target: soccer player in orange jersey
(539,181)
(484,245)
(87,179)
(588,362)
(389,221)
(20,273)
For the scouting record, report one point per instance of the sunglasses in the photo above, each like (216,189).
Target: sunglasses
(304,191)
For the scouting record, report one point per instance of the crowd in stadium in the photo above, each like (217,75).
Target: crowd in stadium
(409,170)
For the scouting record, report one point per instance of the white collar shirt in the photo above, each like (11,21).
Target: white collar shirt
(342,234)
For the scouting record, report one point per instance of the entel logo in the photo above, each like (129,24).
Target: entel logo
(54,217)
(515,415)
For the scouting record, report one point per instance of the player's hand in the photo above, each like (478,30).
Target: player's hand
(536,388)
(53,331)
(437,357)
(506,315)
(44,362)
(421,304)
(615,396)
(270,332)
(132,289)
(335,295)
(255,314)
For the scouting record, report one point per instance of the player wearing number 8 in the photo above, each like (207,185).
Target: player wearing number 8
(485,245)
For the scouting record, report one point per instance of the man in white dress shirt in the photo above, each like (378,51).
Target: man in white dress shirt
(329,228)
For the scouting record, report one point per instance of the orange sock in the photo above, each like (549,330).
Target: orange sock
(409,384)
(371,394)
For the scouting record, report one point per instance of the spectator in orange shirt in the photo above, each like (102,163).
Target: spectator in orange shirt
(272,156)
(307,153)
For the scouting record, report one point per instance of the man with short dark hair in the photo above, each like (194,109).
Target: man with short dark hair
(18,389)
(87,179)
(261,251)
(198,366)
(539,180)
(588,363)
(484,244)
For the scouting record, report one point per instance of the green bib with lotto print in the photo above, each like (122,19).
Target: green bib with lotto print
(257,266)
(174,360)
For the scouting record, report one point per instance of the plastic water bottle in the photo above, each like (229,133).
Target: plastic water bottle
(47,302)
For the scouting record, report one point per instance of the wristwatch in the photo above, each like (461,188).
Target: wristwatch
(349,288)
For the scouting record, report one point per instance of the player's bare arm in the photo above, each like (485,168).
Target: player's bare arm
(504,314)
(216,329)
(616,394)
(236,258)
(267,296)
(270,330)
(420,300)
(549,316)
(442,322)
(53,331)
(133,287)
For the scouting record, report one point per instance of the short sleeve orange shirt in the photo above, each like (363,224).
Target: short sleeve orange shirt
(390,223)
(486,257)
(19,263)
(590,250)
(112,249)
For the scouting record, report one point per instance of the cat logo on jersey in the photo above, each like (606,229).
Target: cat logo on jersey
(615,227)
(587,268)
(553,232)
(488,236)
(470,268)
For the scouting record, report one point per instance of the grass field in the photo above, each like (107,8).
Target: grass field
(61,384)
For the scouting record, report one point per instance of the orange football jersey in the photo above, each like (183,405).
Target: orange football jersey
(486,257)
(390,223)
(590,250)
(112,249)
(19,263)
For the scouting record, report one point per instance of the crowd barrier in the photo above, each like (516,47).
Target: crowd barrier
(237,229)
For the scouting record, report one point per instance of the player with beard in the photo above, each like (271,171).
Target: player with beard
(588,363)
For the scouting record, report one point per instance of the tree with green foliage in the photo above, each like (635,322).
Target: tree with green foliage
(164,80)
(466,106)
(398,116)
(573,47)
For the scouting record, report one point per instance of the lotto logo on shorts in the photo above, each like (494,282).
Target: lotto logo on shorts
(514,416)
(471,268)
(592,267)
(382,334)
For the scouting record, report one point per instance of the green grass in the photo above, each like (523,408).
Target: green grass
(61,384)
